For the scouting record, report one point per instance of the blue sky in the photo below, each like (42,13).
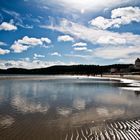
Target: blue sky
(43,33)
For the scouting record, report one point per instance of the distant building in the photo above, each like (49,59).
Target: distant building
(137,63)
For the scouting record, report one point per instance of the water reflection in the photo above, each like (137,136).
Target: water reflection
(6,121)
(64,111)
(24,105)
(79,104)
(60,104)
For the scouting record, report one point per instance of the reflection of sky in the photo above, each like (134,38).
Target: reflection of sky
(118,99)
(6,121)
(109,112)
(79,104)
(74,98)
(23,105)
(64,111)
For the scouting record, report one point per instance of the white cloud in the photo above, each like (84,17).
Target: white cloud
(65,38)
(30,41)
(56,54)
(110,40)
(3,44)
(127,60)
(114,52)
(11,13)
(78,56)
(47,40)
(27,42)
(18,19)
(2,51)
(86,5)
(102,23)
(25,59)
(26,26)
(7,26)
(83,49)
(18,48)
(80,44)
(36,56)
(95,36)
(4,64)
(128,13)
(119,16)
(80,48)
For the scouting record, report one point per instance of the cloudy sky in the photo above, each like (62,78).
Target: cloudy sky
(41,33)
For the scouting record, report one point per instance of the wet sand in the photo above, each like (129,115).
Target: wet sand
(132,77)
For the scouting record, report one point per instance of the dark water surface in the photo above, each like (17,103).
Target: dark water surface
(68,108)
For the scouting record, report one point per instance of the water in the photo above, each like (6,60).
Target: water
(65,107)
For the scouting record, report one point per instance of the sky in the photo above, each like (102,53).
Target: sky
(42,33)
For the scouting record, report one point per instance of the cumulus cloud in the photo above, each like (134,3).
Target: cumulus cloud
(93,35)
(80,48)
(3,44)
(27,64)
(36,56)
(30,41)
(25,59)
(80,44)
(85,49)
(18,48)
(3,51)
(65,38)
(56,54)
(109,42)
(27,42)
(47,40)
(119,16)
(7,26)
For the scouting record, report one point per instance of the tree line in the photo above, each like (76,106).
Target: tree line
(73,69)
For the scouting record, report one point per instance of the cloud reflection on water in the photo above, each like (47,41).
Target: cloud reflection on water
(79,104)
(24,105)
(76,100)
(64,111)
(6,121)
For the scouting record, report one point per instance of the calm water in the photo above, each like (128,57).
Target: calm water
(67,108)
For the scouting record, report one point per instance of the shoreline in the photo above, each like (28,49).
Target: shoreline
(129,77)
(47,77)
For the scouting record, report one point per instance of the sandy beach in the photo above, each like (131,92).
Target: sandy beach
(48,77)
(132,77)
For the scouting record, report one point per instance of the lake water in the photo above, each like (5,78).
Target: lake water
(68,108)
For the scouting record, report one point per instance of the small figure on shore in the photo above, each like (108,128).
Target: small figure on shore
(121,75)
